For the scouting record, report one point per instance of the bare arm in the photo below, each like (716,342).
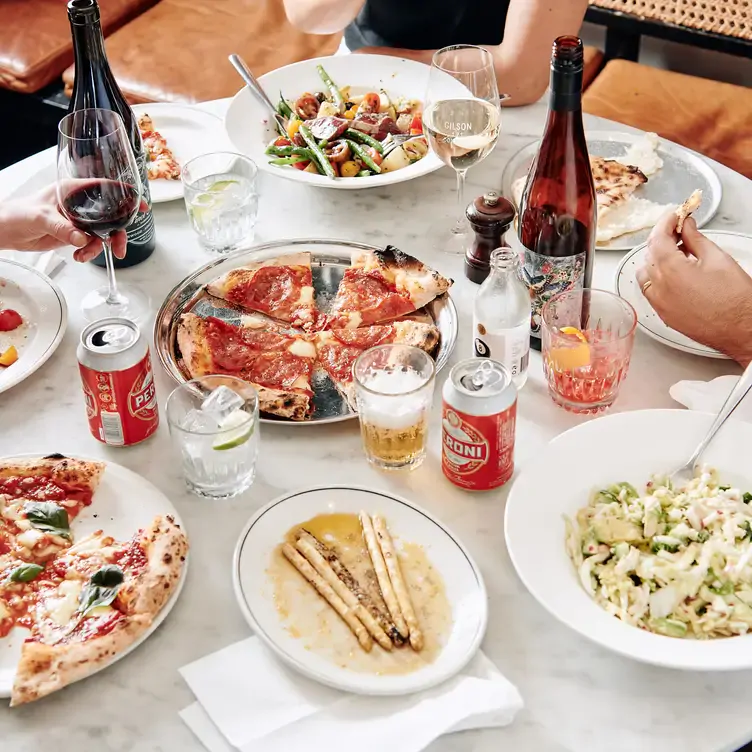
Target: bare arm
(522,59)
(322,16)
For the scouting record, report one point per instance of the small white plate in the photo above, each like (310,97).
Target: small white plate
(189,132)
(621,447)
(42,306)
(249,129)
(463,581)
(735,244)
(114,511)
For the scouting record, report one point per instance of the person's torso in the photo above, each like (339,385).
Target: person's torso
(427,24)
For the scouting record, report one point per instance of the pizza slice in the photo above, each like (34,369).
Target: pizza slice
(162,163)
(275,361)
(279,287)
(692,204)
(382,286)
(92,603)
(38,500)
(614,182)
(338,349)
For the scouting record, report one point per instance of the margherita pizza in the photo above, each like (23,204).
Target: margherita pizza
(338,349)
(279,287)
(278,364)
(378,301)
(81,602)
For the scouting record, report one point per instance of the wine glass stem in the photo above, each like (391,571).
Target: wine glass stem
(113,296)
(460,200)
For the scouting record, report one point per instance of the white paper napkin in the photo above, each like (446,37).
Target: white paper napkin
(709,396)
(249,701)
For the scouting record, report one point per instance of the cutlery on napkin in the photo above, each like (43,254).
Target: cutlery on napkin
(249,701)
(709,396)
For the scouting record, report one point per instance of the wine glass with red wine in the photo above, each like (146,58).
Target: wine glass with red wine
(462,127)
(99,191)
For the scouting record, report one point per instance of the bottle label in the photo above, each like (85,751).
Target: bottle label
(546,277)
(141,230)
(511,347)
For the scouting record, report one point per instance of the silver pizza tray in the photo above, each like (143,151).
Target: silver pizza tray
(683,171)
(329,259)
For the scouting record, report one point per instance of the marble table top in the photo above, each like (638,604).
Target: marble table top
(577,696)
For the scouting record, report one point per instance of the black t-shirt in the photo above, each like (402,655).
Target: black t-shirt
(427,24)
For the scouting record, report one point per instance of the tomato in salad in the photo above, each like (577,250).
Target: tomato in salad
(9,320)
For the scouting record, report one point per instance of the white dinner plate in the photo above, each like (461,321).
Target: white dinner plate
(621,447)
(248,122)
(42,306)
(736,244)
(189,132)
(683,171)
(463,582)
(114,511)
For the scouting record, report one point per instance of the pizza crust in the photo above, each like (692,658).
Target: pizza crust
(166,547)
(57,467)
(692,204)
(44,669)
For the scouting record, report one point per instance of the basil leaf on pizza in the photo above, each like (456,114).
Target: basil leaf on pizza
(101,589)
(25,573)
(48,517)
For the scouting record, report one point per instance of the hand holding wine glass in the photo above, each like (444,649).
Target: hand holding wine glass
(463,127)
(99,191)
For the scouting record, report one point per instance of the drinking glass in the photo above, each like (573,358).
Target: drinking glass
(587,344)
(221,199)
(99,191)
(214,424)
(394,390)
(462,120)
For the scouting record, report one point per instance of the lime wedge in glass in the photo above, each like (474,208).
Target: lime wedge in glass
(235,429)
(202,202)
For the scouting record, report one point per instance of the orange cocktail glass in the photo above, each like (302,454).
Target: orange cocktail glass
(587,337)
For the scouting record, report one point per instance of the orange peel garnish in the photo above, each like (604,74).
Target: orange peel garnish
(568,356)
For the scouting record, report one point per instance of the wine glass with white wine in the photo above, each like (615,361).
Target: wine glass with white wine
(463,127)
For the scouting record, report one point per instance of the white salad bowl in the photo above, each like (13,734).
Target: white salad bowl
(250,128)
(629,447)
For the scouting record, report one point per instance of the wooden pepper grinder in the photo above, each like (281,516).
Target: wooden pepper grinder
(490,216)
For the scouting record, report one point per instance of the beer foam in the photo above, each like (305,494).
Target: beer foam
(394,407)
(394,382)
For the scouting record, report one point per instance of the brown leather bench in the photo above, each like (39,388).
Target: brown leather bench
(710,117)
(35,38)
(593,60)
(177,51)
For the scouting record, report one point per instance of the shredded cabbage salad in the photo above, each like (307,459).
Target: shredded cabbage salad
(675,561)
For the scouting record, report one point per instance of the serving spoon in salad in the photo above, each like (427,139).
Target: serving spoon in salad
(685,473)
(252,83)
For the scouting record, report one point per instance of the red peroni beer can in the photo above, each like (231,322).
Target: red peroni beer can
(115,365)
(477,426)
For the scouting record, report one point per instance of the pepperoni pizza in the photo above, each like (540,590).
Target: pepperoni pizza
(338,349)
(277,363)
(82,602)
(377,302)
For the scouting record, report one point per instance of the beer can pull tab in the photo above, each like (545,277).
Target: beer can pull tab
(484,375)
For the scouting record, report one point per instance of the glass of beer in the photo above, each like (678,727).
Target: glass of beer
(394,391)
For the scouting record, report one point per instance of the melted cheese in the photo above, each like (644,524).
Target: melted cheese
(30,538)
(4,610)
(12,511)
(60,608)
(302,348)
(306,296)
(100,611)
(353,319)
(90,544)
